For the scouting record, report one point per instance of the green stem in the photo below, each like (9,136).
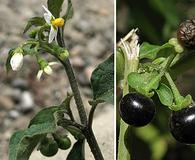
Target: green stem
(88,132)
(165,66)
(93,144)
(130,66)
(174,89)
(91,113)
(73,83)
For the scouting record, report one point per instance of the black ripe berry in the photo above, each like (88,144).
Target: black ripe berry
(182,125)
(136,109)
(186,34)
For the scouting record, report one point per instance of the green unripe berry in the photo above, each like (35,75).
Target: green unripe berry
(49,149)
(63,143)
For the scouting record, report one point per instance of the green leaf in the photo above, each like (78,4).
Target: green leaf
(45,116)
(35,21)
(55,7)
(165,95)
(144,83)
(23,142)
(77,151)
(8,65)
(69,11)
(150,51)
(102,81)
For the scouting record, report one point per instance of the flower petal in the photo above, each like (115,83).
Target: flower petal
(16,61)
(46,10)
(53,63)
(39,74)
(48,70)
(52,34)
(47,18)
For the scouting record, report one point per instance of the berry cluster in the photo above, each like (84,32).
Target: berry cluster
(138,110)
(49,147)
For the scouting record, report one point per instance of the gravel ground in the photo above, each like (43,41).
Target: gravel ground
(89,36)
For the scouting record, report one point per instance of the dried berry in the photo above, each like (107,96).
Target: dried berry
(186,34)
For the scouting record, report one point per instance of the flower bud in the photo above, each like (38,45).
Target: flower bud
(17,60)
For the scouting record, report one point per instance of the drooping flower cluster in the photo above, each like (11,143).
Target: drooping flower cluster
(16,60)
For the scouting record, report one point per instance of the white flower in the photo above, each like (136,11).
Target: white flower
(17,61)
(47,69)
(54,24)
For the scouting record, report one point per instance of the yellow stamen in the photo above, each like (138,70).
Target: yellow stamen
(58,22)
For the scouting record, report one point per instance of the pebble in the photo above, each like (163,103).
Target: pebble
(88,72)
(13,114)
(6,102)
(78,62)
(27,102)
(82,79)
(20,84)
(96,46)
(2,117)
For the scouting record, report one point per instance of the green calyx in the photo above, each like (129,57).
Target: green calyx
(176,44)
(42,63)
(63,55)
(18,50)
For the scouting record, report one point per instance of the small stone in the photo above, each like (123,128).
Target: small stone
(77,61)
(77,50)
(14,114)
(83,81)
(87,91)
(20,84)
(88,72)
(6,102)
(96,46)
(27,102)
(2,117)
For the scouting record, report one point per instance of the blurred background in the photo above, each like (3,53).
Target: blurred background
(157,21)
(89,37)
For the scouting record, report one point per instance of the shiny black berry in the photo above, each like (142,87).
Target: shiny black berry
(186,34)
(136,109)
(182,125)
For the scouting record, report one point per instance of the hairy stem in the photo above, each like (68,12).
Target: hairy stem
(73,83)
(93,144)
(83,116)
